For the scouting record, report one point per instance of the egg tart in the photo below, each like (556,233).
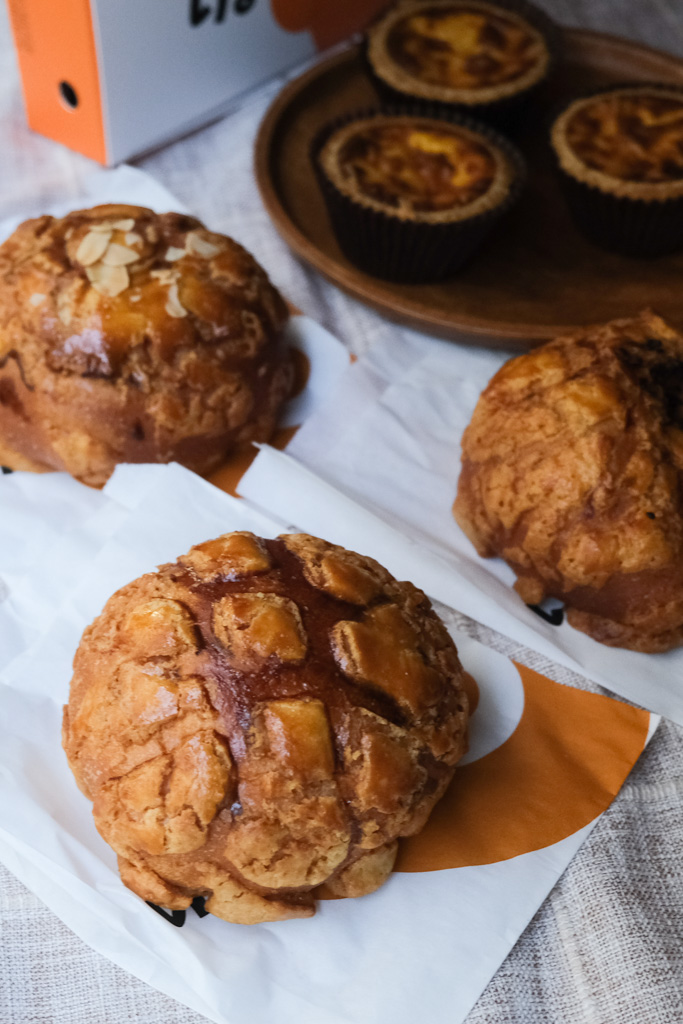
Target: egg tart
(620,157)
(471,54)
(411,197)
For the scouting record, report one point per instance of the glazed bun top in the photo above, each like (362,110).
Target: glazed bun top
(135,336)
(572,470)
(262,718)
(104,281)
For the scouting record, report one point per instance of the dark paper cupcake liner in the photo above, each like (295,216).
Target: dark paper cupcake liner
(629,227)
(406,251)
(640,228)
(503,113)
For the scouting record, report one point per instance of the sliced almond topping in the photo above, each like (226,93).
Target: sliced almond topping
(103,225)
(65,314)
(37,299)
(173,253)
(127,224)
(135,298)
(133,238)
(173,304)
(93,247)
(164,275)
(199,246)
(119,255)
(109,281)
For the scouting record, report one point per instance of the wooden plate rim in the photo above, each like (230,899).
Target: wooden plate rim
(370,290)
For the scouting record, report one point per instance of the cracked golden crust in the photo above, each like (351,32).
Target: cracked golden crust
(572,472)
(340,573)
(237,722)
(131,336)
(364,875)
(232,555)
(254,627)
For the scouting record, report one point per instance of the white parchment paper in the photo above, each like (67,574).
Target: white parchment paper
(422,947)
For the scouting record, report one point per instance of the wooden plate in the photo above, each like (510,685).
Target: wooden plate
(536,276)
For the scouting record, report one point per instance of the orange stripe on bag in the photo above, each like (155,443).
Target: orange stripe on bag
(562,767)
(58,60)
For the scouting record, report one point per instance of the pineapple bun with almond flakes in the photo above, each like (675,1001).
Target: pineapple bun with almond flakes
(130,336)
(260,721)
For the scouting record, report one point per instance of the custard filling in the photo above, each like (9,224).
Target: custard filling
(426,171)
(463,49)
(634,138)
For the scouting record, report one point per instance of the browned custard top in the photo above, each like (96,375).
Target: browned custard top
(636,138)
(424,169)
(463,48)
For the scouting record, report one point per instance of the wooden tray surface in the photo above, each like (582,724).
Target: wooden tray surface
(536,276)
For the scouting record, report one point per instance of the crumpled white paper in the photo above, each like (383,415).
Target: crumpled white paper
(75,521)
(389,441)
(125,184)
(422,947)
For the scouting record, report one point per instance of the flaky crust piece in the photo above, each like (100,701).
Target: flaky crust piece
(260,721)
(572,471)
(127,336)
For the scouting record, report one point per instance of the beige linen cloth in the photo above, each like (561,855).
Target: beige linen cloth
(607,945)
